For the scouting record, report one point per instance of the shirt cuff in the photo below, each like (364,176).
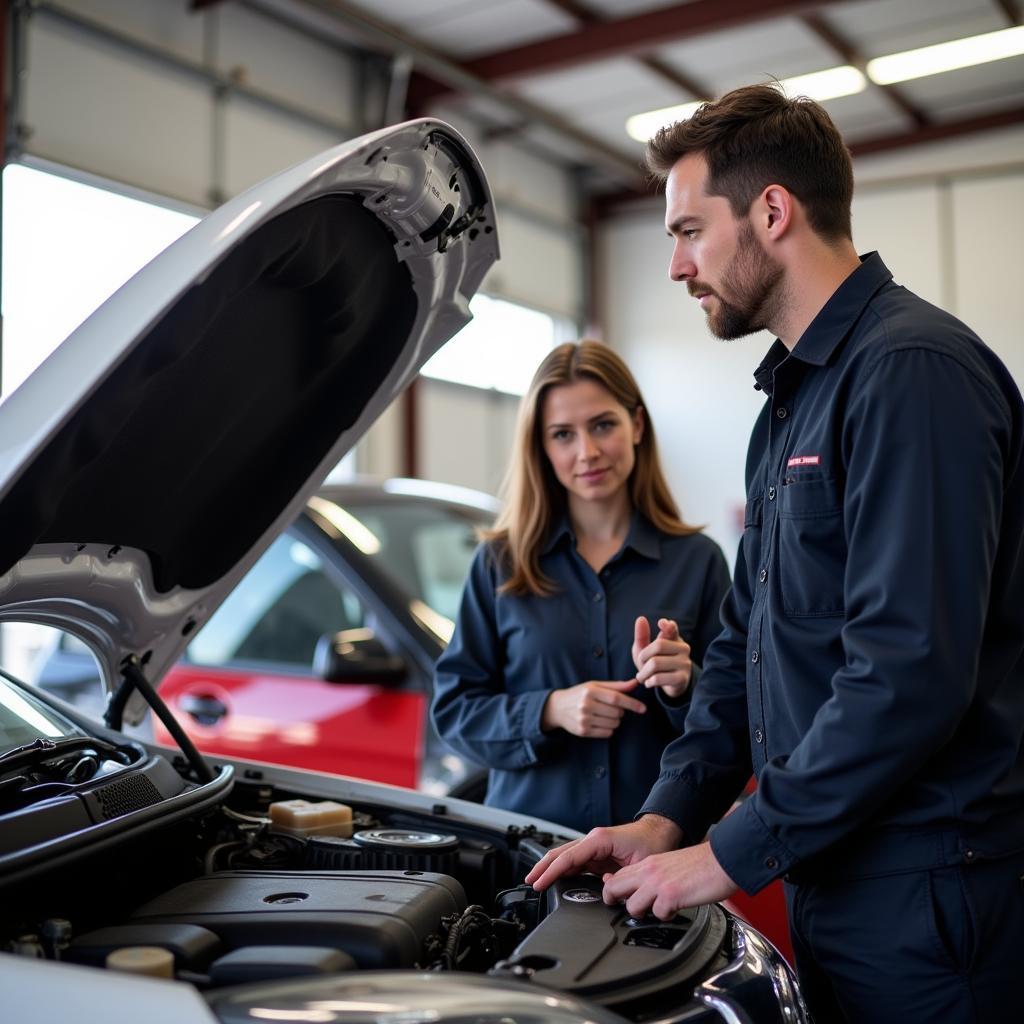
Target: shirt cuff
(529,709)
(673,798)
(747,851)
(673,705)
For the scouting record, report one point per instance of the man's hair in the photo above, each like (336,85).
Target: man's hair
(757,136)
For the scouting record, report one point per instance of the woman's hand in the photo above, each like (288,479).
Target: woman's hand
(665,662)
(593,709)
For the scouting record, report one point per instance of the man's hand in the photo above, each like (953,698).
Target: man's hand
(592,709)
(606,849)
(666,883)
(665,662)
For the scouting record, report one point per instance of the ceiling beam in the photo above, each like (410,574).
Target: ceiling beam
(938,132)
(661,68)
(847,52)
(622,37)
(606,204)
(621,164)
(1009,9)
(639,33)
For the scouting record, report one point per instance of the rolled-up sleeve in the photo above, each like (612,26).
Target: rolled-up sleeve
(924,445)
(471,710)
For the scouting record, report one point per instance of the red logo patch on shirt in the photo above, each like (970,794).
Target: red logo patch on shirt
(803,460)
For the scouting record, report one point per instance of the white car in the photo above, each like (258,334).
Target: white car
(259,347)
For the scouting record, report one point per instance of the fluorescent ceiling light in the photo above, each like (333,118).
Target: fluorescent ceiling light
(818,85)
(644,126)
(959,53)
(826,85)
(847,80)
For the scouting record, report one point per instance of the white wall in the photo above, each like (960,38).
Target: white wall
(947,220)
(465,435)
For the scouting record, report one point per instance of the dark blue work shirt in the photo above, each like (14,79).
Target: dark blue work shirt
(508,653)
(870,671)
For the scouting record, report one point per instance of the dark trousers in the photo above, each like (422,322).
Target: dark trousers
(945,945)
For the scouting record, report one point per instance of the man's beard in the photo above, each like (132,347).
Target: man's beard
(753,279)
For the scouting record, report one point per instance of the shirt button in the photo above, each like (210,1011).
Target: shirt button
(598,597)
(771,493)
(782,412)
(763,575)
(771,863)
(758,736)
(605,573)
(754,657)
(598,652)
(600,771)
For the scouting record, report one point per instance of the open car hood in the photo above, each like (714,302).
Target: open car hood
(257,348)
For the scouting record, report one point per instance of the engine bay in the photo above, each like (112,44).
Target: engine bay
(222,895)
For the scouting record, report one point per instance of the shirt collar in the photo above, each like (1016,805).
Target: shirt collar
(833,322)
(642,537)
(559,528)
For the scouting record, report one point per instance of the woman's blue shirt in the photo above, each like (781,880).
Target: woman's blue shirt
(508,652)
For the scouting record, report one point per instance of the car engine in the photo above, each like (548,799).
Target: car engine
(226,895)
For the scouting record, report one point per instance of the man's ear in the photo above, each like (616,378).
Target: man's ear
(777,208)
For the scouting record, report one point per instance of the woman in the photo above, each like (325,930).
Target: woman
(587,611)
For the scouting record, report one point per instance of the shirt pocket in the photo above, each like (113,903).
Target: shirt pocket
(812,546)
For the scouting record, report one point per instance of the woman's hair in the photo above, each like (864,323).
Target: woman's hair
(533,497)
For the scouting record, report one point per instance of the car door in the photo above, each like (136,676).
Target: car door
(247,687)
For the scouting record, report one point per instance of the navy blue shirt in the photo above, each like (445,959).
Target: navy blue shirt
(871,669)
(508,653)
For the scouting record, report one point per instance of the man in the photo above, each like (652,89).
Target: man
(870,670)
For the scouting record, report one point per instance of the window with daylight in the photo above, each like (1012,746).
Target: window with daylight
(67,247)
(500,347)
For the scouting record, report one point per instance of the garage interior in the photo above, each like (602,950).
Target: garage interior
(188,103)
(174,107)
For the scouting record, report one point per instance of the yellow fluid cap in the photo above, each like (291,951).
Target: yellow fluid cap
(153,961)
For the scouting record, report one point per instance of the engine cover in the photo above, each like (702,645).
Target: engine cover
(380,918)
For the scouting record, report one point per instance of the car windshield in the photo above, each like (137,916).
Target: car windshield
(24,720)
(425,547)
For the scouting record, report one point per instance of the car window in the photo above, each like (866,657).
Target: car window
(283,605)
(425,548)
(61,664)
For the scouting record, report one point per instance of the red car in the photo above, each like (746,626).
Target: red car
(322,656)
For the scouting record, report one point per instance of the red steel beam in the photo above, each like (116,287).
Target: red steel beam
(1008,9)
(938,132)
(846,51)
(586,16)
(632,36)
(601,40)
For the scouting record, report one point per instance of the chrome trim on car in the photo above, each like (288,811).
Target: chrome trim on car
(767,981)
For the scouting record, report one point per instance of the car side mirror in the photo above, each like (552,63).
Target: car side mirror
(357,656)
